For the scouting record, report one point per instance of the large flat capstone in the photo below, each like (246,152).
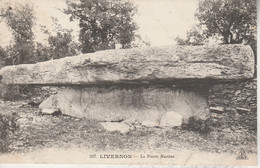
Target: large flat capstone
(152,64)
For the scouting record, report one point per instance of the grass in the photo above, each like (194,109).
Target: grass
(35,131)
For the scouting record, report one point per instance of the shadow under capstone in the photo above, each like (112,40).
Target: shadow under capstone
(140,103)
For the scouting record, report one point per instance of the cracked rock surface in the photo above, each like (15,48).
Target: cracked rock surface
(148,64)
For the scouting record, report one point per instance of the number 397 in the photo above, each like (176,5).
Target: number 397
(92,156)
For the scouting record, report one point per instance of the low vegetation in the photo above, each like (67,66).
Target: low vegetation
(29,130)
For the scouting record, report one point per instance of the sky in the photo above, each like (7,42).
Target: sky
(159,21)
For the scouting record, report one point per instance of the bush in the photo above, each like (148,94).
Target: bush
(12,93)
(198,125)
(7,127)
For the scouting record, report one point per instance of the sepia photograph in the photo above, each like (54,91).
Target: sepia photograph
(128,82)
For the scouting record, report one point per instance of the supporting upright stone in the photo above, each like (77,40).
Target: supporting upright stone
(114,103)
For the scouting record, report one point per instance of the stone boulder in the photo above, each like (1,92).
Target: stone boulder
(218,110)
(50,111)
(138,65)
(116,126)
(150,123)
(143,104)
(171,119)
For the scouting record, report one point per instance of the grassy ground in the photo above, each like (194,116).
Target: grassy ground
(33,131)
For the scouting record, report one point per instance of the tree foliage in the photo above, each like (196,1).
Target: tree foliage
(103,23)
(194,37)
(232,21)
(62,43)
(20,21)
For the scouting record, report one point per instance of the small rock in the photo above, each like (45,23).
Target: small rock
(215,115)
(115,126)
(241,110)
(171,119)
(21,121)
(218,110)
(148,123)
(237,92)
(34,103)
(24,105)
(50,111)
(233,128)
(239,131)
(130,121)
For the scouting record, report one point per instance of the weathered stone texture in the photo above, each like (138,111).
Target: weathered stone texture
(171,119)
(152,64)
(240,94)
(239,101)
(143,104)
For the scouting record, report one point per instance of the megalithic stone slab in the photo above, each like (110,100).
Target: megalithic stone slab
(220,62)
(115,103)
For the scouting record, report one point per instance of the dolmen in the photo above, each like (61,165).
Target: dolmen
(156,86)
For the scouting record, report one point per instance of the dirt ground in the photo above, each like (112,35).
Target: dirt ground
(34,131)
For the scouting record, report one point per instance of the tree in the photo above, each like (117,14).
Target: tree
(103,23)
(42,52)
(140,42)
(233,20)
(61,44)
(194,37)
(20,20)
(2,55)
